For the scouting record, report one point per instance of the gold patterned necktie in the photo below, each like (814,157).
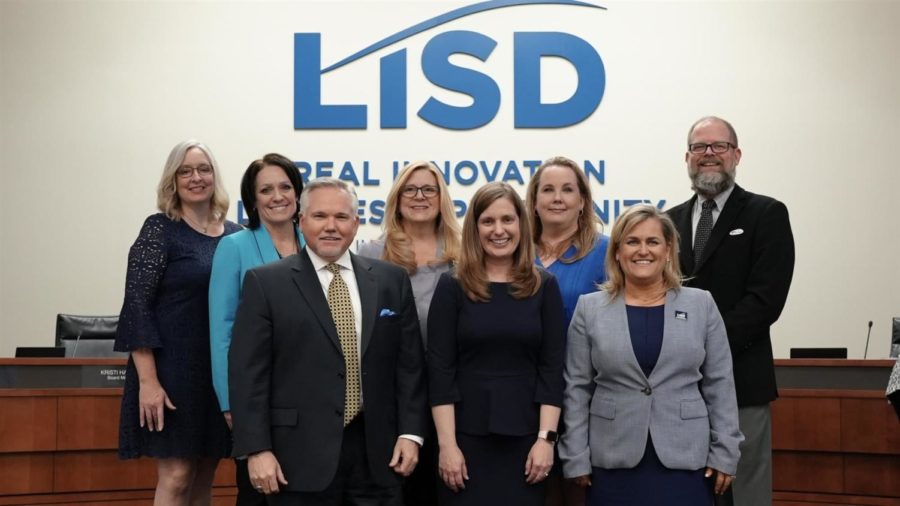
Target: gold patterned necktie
(342,314)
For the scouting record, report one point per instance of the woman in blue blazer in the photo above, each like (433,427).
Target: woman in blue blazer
(650,407)
(270,191)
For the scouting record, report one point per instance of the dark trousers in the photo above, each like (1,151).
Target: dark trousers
(352,484)
(420,488)
(247,495)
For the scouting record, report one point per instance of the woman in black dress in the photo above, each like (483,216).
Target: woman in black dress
(169,411)
(495,357)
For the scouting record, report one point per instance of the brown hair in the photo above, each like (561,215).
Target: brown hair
(587,232)
(398,245)
(526,280)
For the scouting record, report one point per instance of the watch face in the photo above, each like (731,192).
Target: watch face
(552,436)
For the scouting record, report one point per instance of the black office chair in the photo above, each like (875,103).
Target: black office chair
(87,336)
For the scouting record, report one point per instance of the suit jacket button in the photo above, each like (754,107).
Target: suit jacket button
(341,375)
(339,412)
(647,391)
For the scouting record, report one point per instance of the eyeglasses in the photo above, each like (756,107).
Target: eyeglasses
(699,148)
(186,171)
(428,191)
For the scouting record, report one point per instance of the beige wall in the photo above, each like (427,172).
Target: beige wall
(94,94)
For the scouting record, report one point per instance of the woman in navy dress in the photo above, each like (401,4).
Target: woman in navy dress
(569,245)
(650,402)
(169,410)
(421,234)
(495,355)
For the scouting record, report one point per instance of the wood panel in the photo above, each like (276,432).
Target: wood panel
(872,475)
(101,470)
(27,424)
(808,472)
(806,424)
(225,474)
(869,426)
(805,499)
(26,473)
(222,496)
(88,423)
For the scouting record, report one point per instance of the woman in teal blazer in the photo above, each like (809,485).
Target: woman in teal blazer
(270,190)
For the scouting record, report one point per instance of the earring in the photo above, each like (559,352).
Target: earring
(580,212)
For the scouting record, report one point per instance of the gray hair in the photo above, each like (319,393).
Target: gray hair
(328,182)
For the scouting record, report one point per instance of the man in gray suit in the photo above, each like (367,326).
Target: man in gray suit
(327,367)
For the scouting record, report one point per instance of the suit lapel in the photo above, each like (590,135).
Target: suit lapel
(736,202)
(310,288)
(368,298)
(667,340)
(264,243)
(632,367)
(686,241)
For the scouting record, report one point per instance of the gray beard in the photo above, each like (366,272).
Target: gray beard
(711,184)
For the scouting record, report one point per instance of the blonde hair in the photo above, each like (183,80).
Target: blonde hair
(397,245)
(625,223)
(167,199)
(526,280)
(587,232)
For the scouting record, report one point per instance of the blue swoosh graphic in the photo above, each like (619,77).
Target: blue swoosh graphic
(451,16)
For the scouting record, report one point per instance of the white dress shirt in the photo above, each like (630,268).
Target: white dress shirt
(720,199)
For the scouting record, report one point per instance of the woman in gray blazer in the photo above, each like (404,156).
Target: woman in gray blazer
(650,406)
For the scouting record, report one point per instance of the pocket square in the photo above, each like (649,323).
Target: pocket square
(737,231)
(386,312)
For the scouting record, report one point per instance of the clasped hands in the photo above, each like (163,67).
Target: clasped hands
(452,465)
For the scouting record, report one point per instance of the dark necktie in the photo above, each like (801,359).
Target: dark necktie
(342,314)
(704,229)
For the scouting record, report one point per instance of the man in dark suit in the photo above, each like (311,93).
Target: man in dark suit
(327,367)
(739,246)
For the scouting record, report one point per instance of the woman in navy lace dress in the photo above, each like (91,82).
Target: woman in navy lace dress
(169,411)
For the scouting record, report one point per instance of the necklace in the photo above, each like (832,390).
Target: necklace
(295,248)
(196,225)
(646,300)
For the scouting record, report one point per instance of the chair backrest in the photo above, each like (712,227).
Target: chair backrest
(87,336)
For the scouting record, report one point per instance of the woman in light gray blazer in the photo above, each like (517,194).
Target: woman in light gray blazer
(650,406)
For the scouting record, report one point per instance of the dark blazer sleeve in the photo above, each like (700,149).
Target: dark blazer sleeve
(411,385)
(550,382)
(767,283)
(442,347)
(249,371)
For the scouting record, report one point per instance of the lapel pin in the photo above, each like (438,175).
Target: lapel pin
(680,315)
(737,231)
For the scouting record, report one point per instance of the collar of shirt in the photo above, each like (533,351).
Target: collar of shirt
(720,199)
(319,263)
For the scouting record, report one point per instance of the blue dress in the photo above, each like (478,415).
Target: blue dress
(166,309)
(579,277)
(649,483)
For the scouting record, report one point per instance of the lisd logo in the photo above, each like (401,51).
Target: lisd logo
(528,50)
